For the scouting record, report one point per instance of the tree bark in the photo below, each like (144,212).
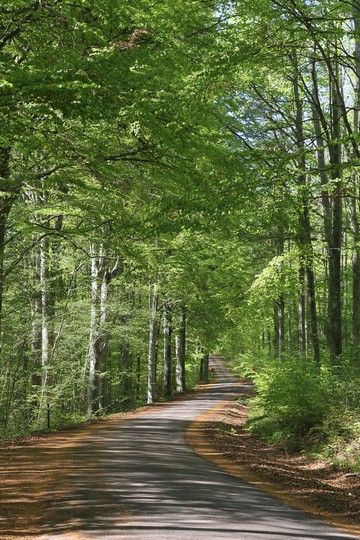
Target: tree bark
(180,357)
(353,200)
(306,274)
(279,309)
(44,313)
(335,307)
(167,349)
(6,202)
(332,204)
(92,352)
(205,376)
(151,392)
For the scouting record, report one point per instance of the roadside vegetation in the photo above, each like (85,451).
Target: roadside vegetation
(302,409)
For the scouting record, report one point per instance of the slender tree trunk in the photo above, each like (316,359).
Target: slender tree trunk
(279,310)
(167,349)
(92,352)
(281,325)
(276,330)
(306,274)
(138,376)
(302,311)
(180,357)
(332,206)
(355,263)
(353,201)
(6,202)
(35,307)
(44,313)
(299,134)
(205,377)
(152,348)
(335,307)
(310,280)
(98,335)
(126,364)
(102,344)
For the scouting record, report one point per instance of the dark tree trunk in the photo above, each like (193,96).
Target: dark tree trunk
(332,204)
(302,310)
(306,274)
(335,307)
(6,202)
(310,280)
(353,201)
(205,377)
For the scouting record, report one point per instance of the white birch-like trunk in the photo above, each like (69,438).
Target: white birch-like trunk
(44,327)
(177,367)
(180,353)
(92,334)
(44,318)
(35,307)
(167,349)
(152,348)
(103,338)
(44,322)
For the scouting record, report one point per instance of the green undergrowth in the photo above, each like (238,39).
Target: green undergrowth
(53,418)
(301,408)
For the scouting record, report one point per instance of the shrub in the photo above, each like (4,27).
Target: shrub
(292,399)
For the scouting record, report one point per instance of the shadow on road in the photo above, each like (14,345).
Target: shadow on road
(139,479)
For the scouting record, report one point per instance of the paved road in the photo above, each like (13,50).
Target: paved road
(139,480)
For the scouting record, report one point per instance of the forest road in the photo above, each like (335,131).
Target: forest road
(139,479)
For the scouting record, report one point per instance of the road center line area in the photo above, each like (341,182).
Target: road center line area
(139,479)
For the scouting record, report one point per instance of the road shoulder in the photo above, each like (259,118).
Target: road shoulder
(312,486)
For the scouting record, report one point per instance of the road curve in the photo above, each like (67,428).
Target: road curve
(138,479)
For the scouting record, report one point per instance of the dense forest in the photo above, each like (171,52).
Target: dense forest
(179,177)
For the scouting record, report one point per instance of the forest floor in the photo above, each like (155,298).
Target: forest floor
(314,485)
(29,466)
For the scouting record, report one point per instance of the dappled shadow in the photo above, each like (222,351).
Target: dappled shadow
(139,479)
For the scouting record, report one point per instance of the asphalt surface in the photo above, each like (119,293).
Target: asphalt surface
(139,479)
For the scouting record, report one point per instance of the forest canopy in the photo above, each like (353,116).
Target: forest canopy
(176,177)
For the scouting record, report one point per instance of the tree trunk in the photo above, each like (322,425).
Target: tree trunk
(353,201)
(167,349)
(44,314)
(279,309)
(180,358)
(306,274)
(205,375)
(152,348)
(92,351)
(335,307)
(310,280)
(302,310)
(102,344)
(98,335)
(355,263)
(138,376)
(35,308)
(332,205)
(6,202)
(126,365)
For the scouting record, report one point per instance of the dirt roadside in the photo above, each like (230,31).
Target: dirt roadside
(315,486)
(31,468)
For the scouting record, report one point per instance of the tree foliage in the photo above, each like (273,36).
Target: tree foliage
(171,171)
